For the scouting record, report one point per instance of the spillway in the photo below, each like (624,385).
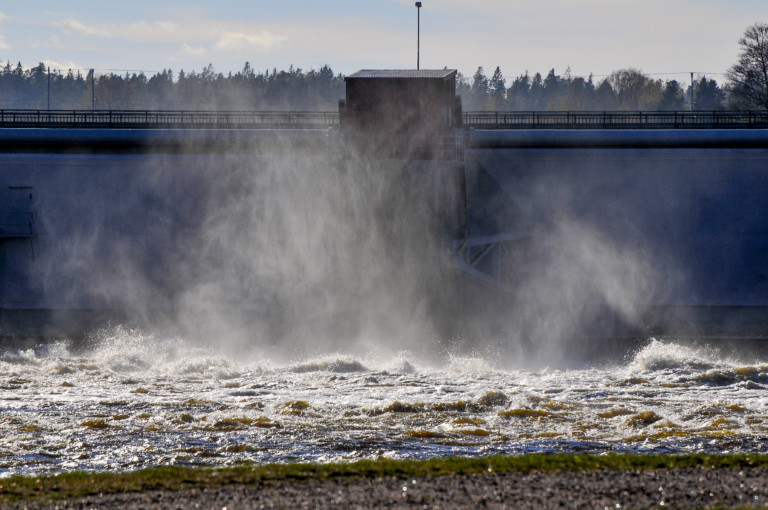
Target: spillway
(517,226)
(206,288)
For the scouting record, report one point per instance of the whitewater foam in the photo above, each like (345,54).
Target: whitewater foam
(134,400)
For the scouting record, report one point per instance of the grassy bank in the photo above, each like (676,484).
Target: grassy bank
(72,485)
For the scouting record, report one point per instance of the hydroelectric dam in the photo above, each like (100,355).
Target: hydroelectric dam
(399,214)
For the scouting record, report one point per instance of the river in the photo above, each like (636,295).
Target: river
(135,400)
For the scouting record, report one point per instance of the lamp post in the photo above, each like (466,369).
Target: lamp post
(692,103)
(418,32)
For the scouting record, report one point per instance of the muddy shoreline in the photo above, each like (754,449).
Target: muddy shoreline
(675,488)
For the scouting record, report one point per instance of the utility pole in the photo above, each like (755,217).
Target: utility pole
(49,89)
(418,32)
(691,91)
(93,90)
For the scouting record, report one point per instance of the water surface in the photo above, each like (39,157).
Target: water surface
(136,400)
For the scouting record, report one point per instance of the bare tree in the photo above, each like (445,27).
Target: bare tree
(748,78)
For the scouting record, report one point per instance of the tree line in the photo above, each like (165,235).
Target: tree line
(41,88)
(319,90)
(38,88)
(628,89)
(622,90)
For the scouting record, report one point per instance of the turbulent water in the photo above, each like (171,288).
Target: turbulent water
(135,400)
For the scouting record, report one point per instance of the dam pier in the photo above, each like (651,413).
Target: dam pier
(399,208)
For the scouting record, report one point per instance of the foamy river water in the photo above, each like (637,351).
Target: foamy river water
(135,401)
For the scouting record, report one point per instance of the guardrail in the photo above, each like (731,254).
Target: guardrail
(617,120)
(177,119)
(155,119)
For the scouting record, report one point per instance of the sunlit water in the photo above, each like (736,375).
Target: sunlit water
(137,401)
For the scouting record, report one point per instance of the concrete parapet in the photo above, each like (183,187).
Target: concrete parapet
(624,138)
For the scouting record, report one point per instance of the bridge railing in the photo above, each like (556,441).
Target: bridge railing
(166,119)
(617,120)
(178,119)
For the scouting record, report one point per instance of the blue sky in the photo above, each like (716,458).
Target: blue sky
(589,36)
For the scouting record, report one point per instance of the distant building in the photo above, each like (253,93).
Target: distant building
(400,113)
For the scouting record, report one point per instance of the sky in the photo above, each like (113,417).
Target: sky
(667,39)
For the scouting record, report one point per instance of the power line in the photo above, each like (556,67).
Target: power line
(591,75)
(97,69)
(664,74)
(131,70)
(88,69)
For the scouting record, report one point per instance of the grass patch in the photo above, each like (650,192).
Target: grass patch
(72,485)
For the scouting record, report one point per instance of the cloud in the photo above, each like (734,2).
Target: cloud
(71,25)
(240,40)
(3,44)
(61,66)
(140,31)
(148,29)
(188,49)
(52,42)
(194,35)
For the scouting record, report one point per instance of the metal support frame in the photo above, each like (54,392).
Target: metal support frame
(450,148)
(484,258)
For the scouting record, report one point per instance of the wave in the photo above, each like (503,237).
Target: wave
(335,365)
(661,355)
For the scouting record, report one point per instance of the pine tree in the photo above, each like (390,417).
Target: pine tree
(497,89)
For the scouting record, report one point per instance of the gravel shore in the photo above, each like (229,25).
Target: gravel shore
(678,488)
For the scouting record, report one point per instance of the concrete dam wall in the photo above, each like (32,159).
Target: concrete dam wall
(99,224)
(280,233)
(260,233)
(665,227)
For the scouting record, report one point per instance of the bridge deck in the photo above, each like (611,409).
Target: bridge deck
(617,120)
(156,119)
